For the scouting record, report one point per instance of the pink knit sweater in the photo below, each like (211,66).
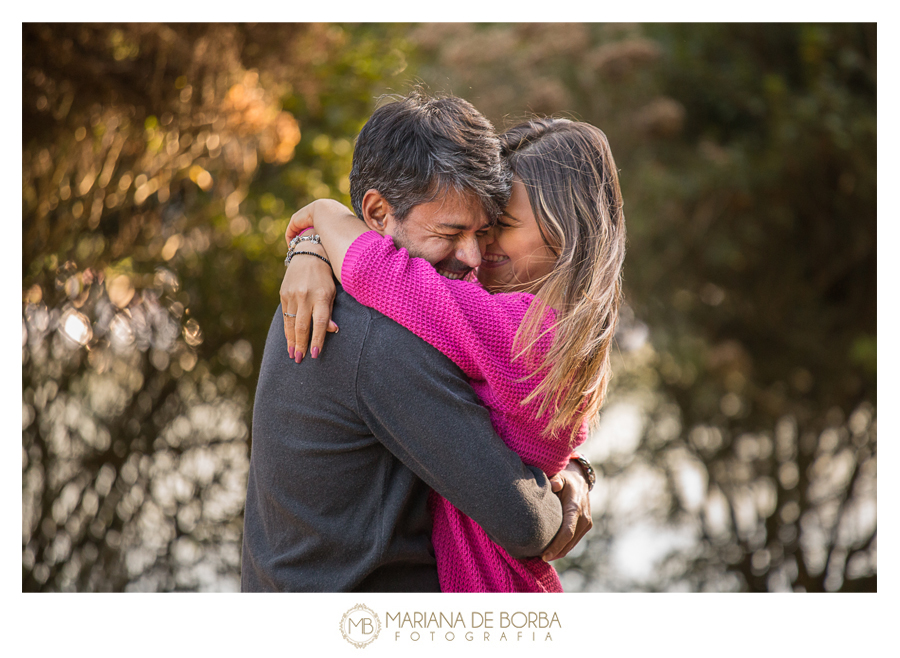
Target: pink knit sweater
(475,329)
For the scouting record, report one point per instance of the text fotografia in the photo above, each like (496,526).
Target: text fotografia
(478,626)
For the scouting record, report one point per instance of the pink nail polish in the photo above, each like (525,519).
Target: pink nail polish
(298,356)
(314,352)
(336,328)
(291,351)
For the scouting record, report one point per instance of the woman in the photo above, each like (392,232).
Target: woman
(534,340)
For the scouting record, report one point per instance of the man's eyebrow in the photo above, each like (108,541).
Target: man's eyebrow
(461,227)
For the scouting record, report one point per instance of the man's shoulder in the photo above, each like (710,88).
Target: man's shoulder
(388,350)
(389,342)
(350,309)
(380,329)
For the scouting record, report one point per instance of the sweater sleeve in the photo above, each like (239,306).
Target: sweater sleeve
(472,327)
(423,410)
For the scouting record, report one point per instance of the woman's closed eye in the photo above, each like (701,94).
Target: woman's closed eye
(506,221)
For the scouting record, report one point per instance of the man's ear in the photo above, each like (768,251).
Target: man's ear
(376,211)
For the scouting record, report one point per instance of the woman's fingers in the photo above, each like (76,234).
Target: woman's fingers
(297,314)
(300,221)
(308,289)
(301,329)
(321,322)
(287,315)
(289,333)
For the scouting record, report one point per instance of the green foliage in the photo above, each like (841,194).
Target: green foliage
(747,162)
(160,165)
(161,162)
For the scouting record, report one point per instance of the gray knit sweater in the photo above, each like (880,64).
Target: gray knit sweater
(345,448)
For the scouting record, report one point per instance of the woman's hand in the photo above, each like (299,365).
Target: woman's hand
(303,218)
(307,292)
(308,289)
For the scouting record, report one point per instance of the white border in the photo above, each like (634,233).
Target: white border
(603,624)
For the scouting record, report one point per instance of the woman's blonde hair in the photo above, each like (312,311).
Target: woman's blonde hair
(573,187)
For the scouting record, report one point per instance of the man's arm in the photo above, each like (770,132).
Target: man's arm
(421,407)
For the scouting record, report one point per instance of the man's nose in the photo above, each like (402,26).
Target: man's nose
(469,252)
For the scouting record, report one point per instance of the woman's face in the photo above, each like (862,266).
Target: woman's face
(517,256)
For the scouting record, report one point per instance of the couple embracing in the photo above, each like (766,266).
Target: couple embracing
(429,445)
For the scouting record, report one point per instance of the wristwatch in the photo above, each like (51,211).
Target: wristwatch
(589,475)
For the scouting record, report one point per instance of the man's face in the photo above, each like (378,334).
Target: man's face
(450,233)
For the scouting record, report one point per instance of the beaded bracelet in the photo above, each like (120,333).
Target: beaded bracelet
(314,239)
(308,253)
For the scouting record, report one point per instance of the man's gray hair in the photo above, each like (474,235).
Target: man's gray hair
(418,147)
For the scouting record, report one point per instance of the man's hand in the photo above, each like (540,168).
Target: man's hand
(572,488)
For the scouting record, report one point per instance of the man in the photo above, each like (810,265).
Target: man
(346,444)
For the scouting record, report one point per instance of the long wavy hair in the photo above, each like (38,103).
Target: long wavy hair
(573,187)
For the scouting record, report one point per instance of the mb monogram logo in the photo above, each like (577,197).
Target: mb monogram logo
(360,626)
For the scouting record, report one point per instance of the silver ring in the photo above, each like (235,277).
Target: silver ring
(288,315)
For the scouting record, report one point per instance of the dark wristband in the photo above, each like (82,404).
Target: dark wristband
(586,467)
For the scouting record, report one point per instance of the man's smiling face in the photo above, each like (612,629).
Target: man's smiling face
(450,233)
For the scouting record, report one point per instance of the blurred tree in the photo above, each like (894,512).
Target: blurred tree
(775,269)
(747,158)
(159,162)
